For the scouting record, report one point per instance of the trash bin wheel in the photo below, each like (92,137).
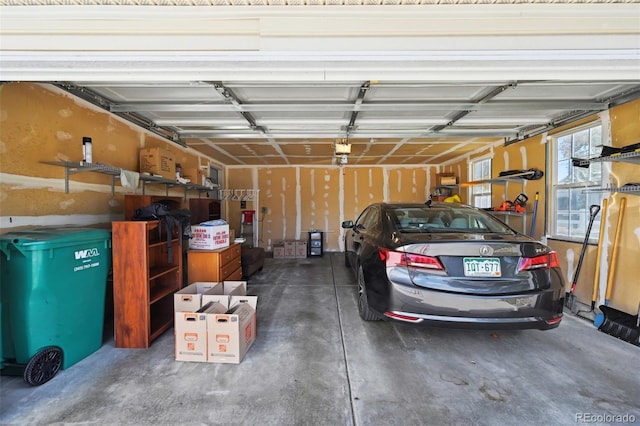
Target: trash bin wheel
(43,366)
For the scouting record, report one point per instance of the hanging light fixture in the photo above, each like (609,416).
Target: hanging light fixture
(343,147)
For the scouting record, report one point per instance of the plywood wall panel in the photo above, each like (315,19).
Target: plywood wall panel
(320,202)
(407,184)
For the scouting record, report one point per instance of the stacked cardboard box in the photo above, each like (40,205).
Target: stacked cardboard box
(195,175)
(278,250)
(158,162)
(290,249)
(301,249)
(219,325)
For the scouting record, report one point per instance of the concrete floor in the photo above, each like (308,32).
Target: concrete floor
(316,363)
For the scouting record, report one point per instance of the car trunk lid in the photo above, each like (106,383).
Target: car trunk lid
(475,265)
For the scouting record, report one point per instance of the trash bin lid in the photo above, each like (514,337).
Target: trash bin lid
(52,236)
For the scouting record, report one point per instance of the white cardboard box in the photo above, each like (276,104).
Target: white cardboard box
(230,335)
(251,300)
(290,249)
(189,299)
(191,333)
(209,237)
(278,251)
(223,295)
(301,249)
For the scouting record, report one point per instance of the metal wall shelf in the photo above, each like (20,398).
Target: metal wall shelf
(502,180)
(75,167)
(627,189)
(625,157)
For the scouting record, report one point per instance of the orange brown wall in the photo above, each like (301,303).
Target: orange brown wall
(39,122)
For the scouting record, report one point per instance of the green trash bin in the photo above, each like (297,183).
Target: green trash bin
(52,293)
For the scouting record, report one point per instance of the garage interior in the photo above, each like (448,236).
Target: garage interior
(259,97)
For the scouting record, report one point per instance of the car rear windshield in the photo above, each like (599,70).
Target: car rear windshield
(446,219)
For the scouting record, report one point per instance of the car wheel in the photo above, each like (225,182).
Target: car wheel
(363,303)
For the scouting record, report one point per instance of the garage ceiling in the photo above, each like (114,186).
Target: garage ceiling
(406,123)
(262,82)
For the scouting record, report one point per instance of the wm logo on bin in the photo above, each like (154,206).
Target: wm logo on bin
(86,253)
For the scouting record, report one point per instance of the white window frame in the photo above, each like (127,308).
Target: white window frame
(578,189)
(481,191)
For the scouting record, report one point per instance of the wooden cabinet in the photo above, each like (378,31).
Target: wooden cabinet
(215,265)
(203,209)
(133,202)
(147,270)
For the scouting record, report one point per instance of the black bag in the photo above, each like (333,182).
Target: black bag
(169,217)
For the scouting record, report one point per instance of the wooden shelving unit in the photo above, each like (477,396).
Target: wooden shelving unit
(134,202)
(204,209)
(147,270)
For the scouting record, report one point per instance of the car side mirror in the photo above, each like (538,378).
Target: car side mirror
(347,224)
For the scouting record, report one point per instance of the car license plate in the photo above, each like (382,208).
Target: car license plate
(482,267)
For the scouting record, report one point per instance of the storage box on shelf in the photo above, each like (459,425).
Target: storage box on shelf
(215,265)
(158,162)
(147,271)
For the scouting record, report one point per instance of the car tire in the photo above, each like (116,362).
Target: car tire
(363,302)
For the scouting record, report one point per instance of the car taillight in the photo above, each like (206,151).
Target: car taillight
(545,261)
(398,258)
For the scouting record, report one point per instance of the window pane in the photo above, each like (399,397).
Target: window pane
(596,141)
(580,174)
(477,172)
(595,172)
(480,195)
(564,147)
(578,199)
(581,146)
(562,212)
(595,199)
(564,171)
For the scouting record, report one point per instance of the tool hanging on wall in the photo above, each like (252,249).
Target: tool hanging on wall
(570,299)
(613,321)
(535,213)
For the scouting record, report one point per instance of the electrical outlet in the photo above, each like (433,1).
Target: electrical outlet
(263,210)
